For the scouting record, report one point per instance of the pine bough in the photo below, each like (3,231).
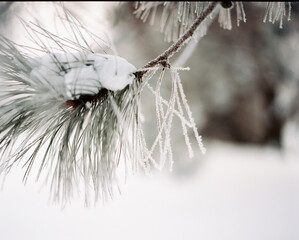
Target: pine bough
(75,113)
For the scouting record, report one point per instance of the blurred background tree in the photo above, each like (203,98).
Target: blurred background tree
(243,83)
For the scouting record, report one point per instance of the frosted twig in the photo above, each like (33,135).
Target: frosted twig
(162,127)
(182,118)
(276,11)
(164,57)
(189,113)
(185,133)
(159,109)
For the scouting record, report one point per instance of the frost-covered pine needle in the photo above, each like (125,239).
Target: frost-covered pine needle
(224,18)
(71,112)
(79,136)
(176,112)
(276,11)
(74,114)
(177,106)
(188,110)
(176,17)
(241,16)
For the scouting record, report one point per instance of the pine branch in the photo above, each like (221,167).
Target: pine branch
(168,53)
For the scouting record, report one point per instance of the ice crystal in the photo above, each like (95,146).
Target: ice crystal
(75,113)
(176,17)
(276,11)
(225,18)
(176,106)
(71,112)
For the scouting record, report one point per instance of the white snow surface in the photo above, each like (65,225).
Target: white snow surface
(234,192)
(75,74)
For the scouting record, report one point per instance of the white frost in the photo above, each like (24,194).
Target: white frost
(75,74)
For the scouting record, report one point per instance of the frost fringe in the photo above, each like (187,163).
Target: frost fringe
(88,141)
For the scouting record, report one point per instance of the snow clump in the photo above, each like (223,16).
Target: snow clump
(75,74)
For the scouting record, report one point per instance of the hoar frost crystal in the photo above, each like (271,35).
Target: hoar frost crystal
(73,115)
(79,110)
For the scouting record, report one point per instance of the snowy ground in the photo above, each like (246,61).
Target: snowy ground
(237,192)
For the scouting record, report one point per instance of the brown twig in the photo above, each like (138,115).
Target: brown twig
(164,57)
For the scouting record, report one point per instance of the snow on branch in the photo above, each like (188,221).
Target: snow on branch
(74,114)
